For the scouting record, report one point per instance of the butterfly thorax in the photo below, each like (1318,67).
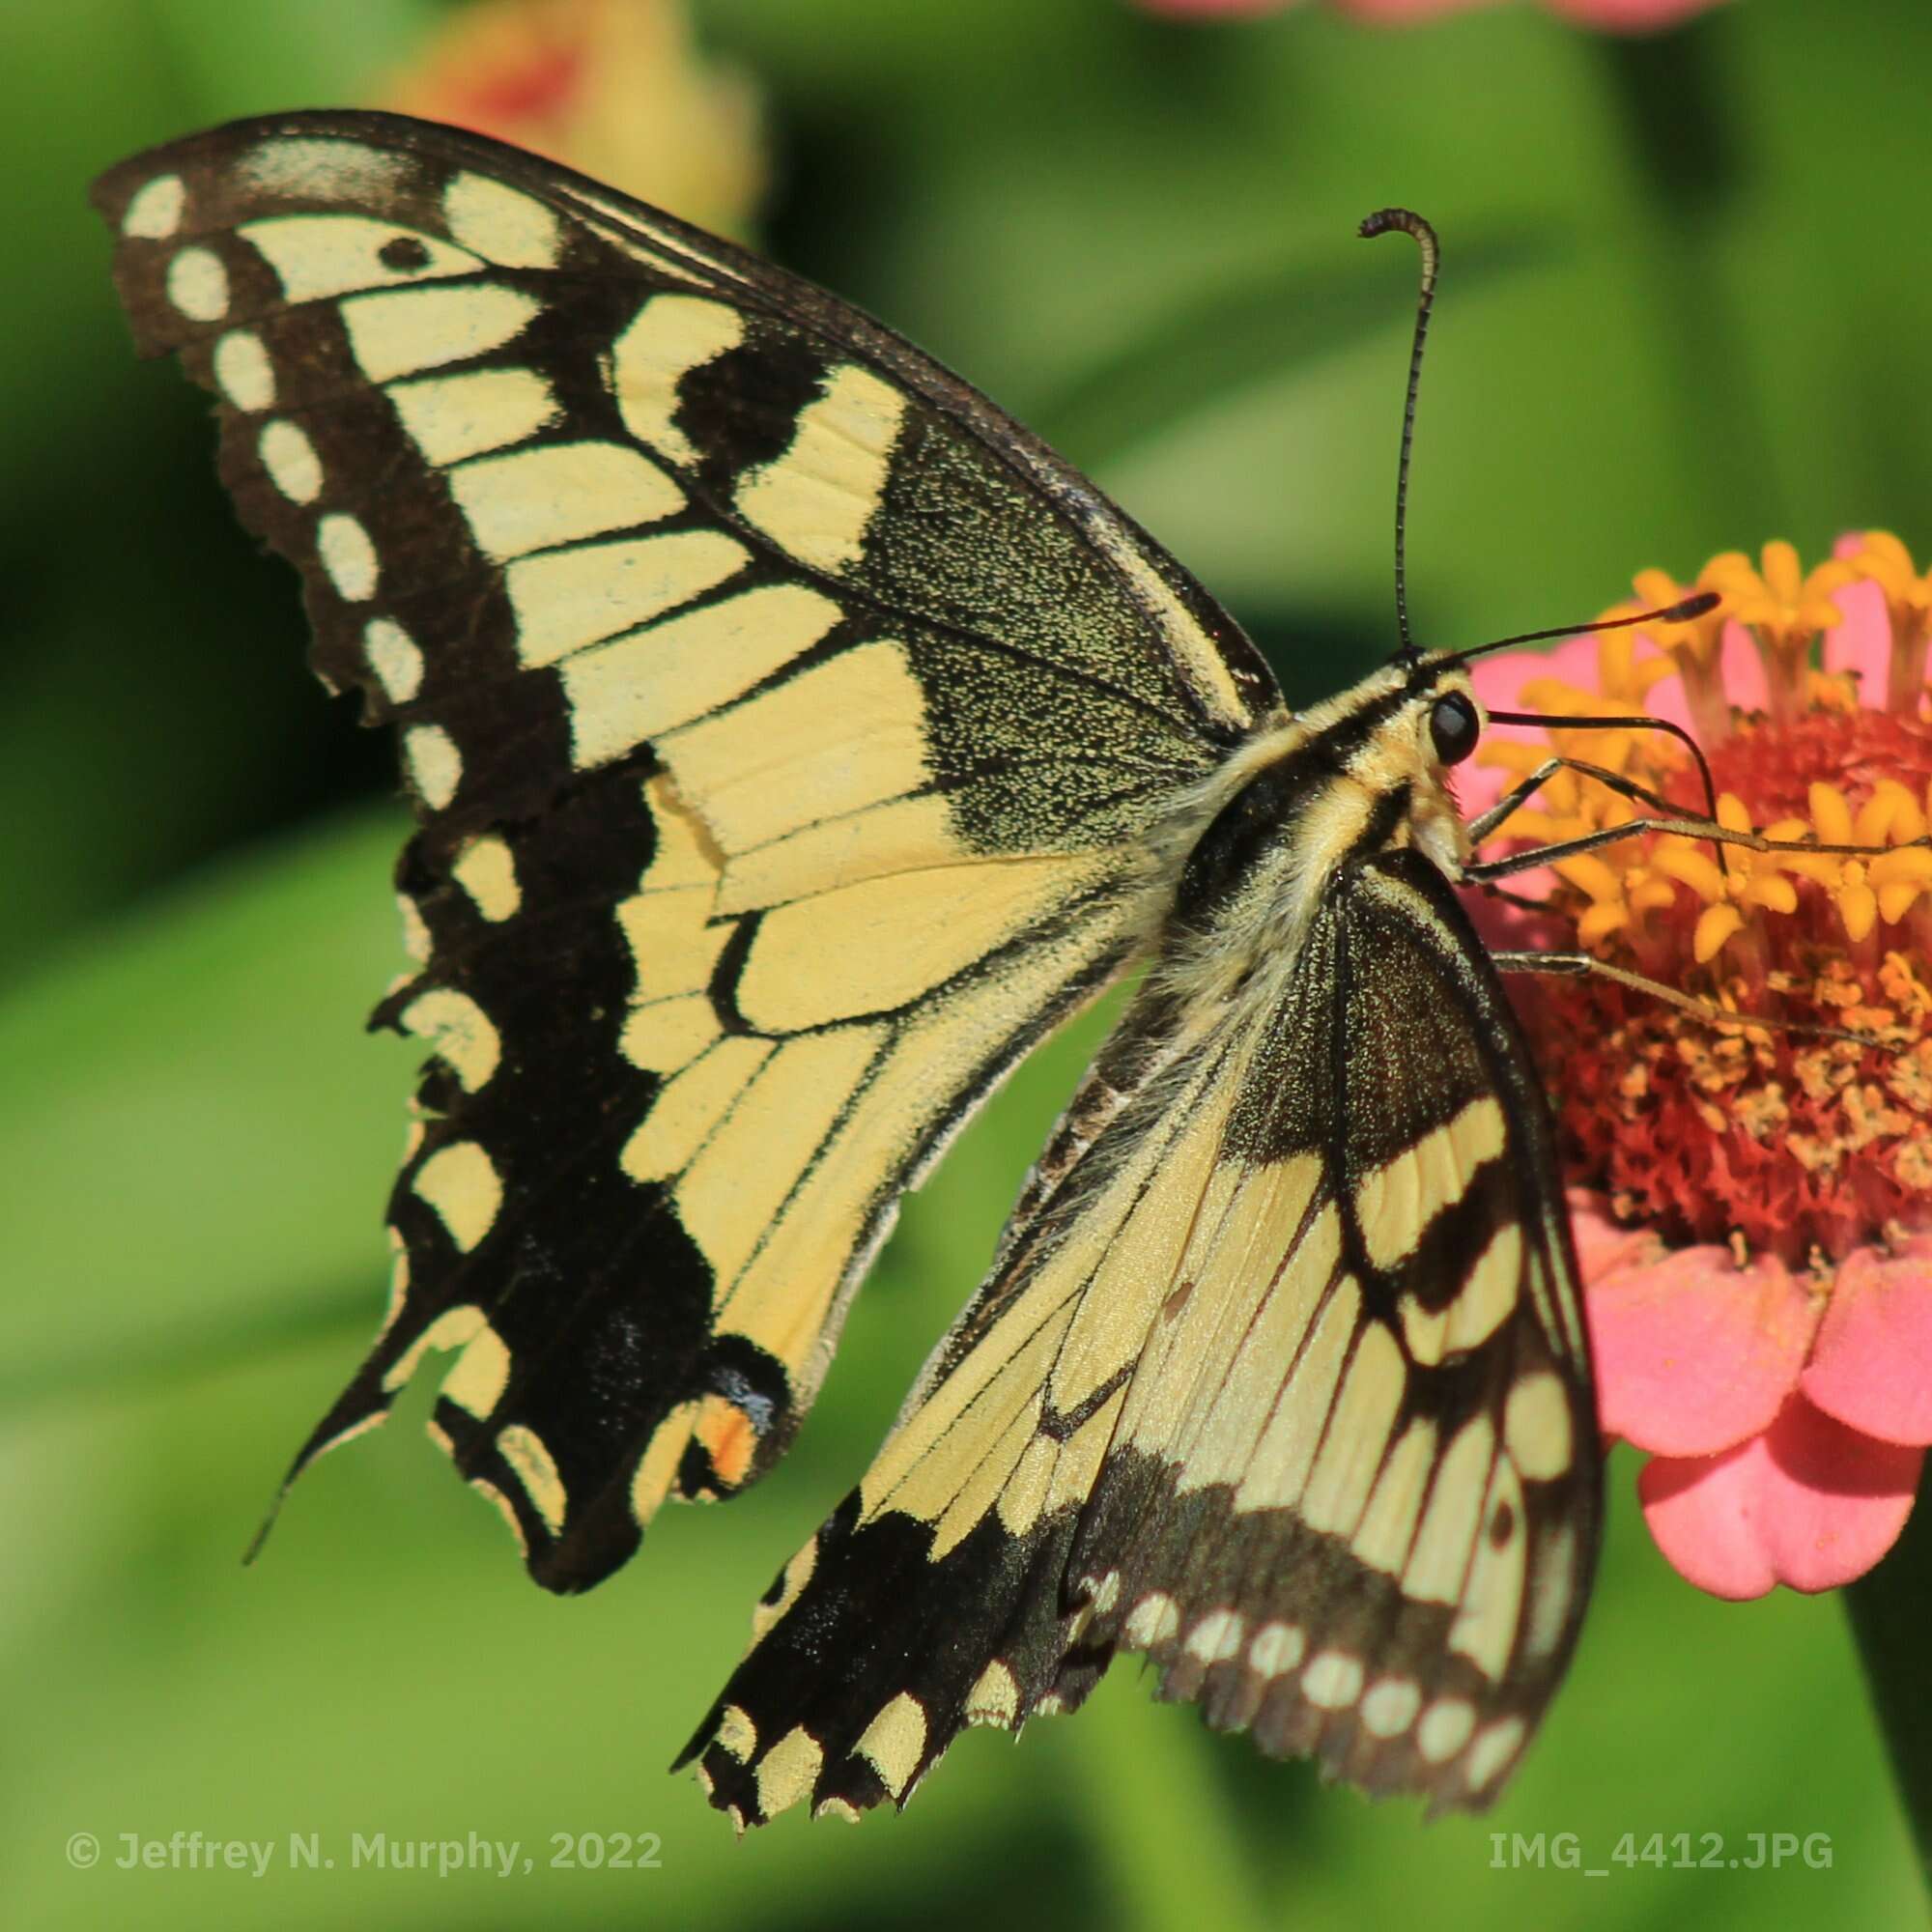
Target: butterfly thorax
(1307,800)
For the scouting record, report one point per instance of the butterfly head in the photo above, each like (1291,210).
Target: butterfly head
(1412,723)
(1366,773)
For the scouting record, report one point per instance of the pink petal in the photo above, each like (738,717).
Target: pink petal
(1498,683)
(1694,1354)
(1504,927)
(1872,1365)
(1862,642)
(1628,16)
(1205,10)
(1392,11)
(1809,1503)
(1604,1244)
(1741,667)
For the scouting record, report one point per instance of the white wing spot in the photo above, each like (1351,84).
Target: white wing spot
(1277,1647)
(1445,1728)
(1492,1752)
(1554,1589)
(460,1183)
(290,458)
(736,1736)
(487,872)
(436,766)
(460,1030)
(314,167)
(895,1742)
(529,1455)
(1217,1638)
(1333,1681)
(156,211)
(995,1699)
(198,285)
(348,556)
(481,1374)
(788,1772)
(1489,1291)
(1390,1706)
(1489,1620)
(416,929)
(243,368)
(500,223)
(1152,1620)
(393,654)
(1387,1528)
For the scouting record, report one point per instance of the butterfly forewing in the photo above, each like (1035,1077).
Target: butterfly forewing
(779,720)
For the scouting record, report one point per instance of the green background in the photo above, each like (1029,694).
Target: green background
(1685,307)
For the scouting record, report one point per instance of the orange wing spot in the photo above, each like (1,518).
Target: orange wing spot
(728,1439)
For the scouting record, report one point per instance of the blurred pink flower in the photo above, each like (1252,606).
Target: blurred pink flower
(1754,1213)
(613,88)
(1616,16)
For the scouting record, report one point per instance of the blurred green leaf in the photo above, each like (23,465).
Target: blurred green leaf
(1275,325)
(1888,1613)
(197,1146)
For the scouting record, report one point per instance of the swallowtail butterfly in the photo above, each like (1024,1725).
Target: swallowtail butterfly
(795,741)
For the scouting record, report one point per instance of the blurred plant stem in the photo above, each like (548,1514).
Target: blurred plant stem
(1887,1608)
(1170,1846)
(1674,93)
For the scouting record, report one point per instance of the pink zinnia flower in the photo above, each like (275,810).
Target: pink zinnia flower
(1616,16)
(1754,1210)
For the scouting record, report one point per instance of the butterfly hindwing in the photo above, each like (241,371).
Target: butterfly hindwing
(1282,1385)
(1357,1511)
(781,722)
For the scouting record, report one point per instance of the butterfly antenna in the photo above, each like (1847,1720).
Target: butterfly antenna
(1699,604)
(1380,223)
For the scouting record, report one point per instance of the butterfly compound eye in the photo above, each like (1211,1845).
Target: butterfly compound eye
(1454,727)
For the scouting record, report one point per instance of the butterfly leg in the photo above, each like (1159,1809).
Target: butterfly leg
(1586,965)
(1571,723)
(1486,823)
(1683,827)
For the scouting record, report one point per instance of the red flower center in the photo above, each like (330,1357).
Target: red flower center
(1785,1141)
